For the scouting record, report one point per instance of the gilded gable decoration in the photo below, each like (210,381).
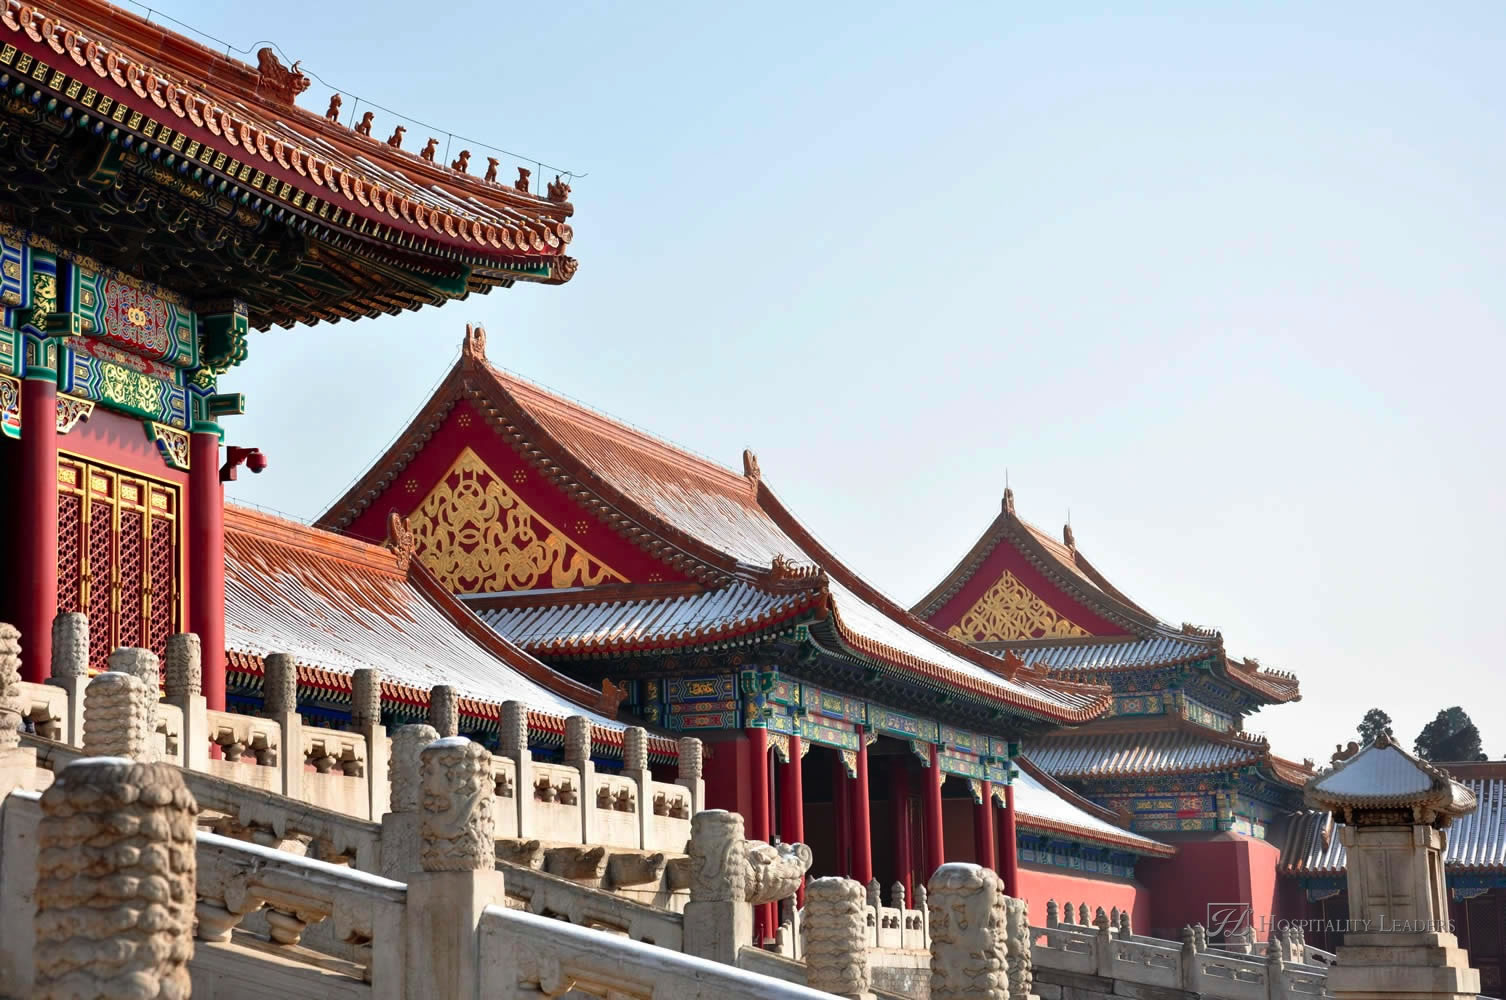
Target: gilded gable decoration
(1011,610)
(476,535)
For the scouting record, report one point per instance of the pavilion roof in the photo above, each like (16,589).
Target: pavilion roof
(1136,752)
(717,527)
(1145,642)
(1384,776)
(1044,805)
(221,121)
(336,604)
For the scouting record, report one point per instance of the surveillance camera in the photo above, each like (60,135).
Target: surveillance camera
(256,461)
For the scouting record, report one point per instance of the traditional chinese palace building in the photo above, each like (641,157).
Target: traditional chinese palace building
(1171,757)
(161,202)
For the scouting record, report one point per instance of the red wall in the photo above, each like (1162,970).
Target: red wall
(1228,868)
(1040,884)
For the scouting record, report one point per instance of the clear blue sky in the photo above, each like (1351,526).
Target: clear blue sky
(1224,281)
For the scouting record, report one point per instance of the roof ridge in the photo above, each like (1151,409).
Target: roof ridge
(628,433)
(272,527)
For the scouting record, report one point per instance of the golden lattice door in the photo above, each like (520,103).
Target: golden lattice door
(118,556)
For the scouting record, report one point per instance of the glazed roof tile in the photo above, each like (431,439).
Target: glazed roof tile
(717,526)
(594,625)
(1383,775)
(1042,804)
(1125,754)
(1475,842)
(394,196)
(1164,648)
(336,604)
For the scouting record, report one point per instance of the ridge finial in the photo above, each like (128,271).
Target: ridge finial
(473,348)
(400,540)
(1008,500)
(750,464)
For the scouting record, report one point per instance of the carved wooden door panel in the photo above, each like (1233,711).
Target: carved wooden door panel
(118,556)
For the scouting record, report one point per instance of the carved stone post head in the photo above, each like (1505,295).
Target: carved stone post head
(577,741)
(459,826)
(366,697)
(119,716)
(1068,915)
(115,881)
(690,758)
(635,749)
(1019,948)
(514,729)
(1124,924)
(874,894)
(1101,921)
(718,857)
(1082,914)
(836,937)
(403,765)
(185,666)
(10,687)
(279,690)
(444,710)
(141,664)
(1053,913)
(70,644)
(968,934)
(897,895)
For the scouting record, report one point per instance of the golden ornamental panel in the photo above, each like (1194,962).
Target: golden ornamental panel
(478,536)
(1011,610)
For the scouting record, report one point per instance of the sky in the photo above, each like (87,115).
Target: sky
(1222,283)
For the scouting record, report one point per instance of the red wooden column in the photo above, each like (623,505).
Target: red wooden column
(983,828)
(792,809)
(862,832)
(899,798)
(841,804)
(38,576)
(1009,862)
(206,559)
(758,823)
(935,849)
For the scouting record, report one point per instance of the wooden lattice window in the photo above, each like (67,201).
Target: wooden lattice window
(118,556)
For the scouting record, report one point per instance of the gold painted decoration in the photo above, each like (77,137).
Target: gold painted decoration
(1011,610)
(72,409)
(476,535)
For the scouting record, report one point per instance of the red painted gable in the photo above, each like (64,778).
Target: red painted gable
(560,523)
(1006,557)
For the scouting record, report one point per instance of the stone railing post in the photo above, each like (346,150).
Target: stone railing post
(280,703)
(1103,944)
(118,714)
(1275,969)
(70,669)
(969,950)
(444,710)
(578,756)
(458,855)
(401,826)
(836,938)
(1019,949)
(1192,970)
(18,766)
(184,686)
(513,740)
(1053,913)
(691,774)
(366,719)
(1125,933)
(718,920)
(115,881)
(635,766)
(924,908)
(143,665)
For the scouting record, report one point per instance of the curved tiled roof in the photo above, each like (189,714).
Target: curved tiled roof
(1044,805)
(1384,775)
(209,111)
(1476,842)
(1165,647)
(714,525)
(593,623)
(1127,754)
(336,604)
